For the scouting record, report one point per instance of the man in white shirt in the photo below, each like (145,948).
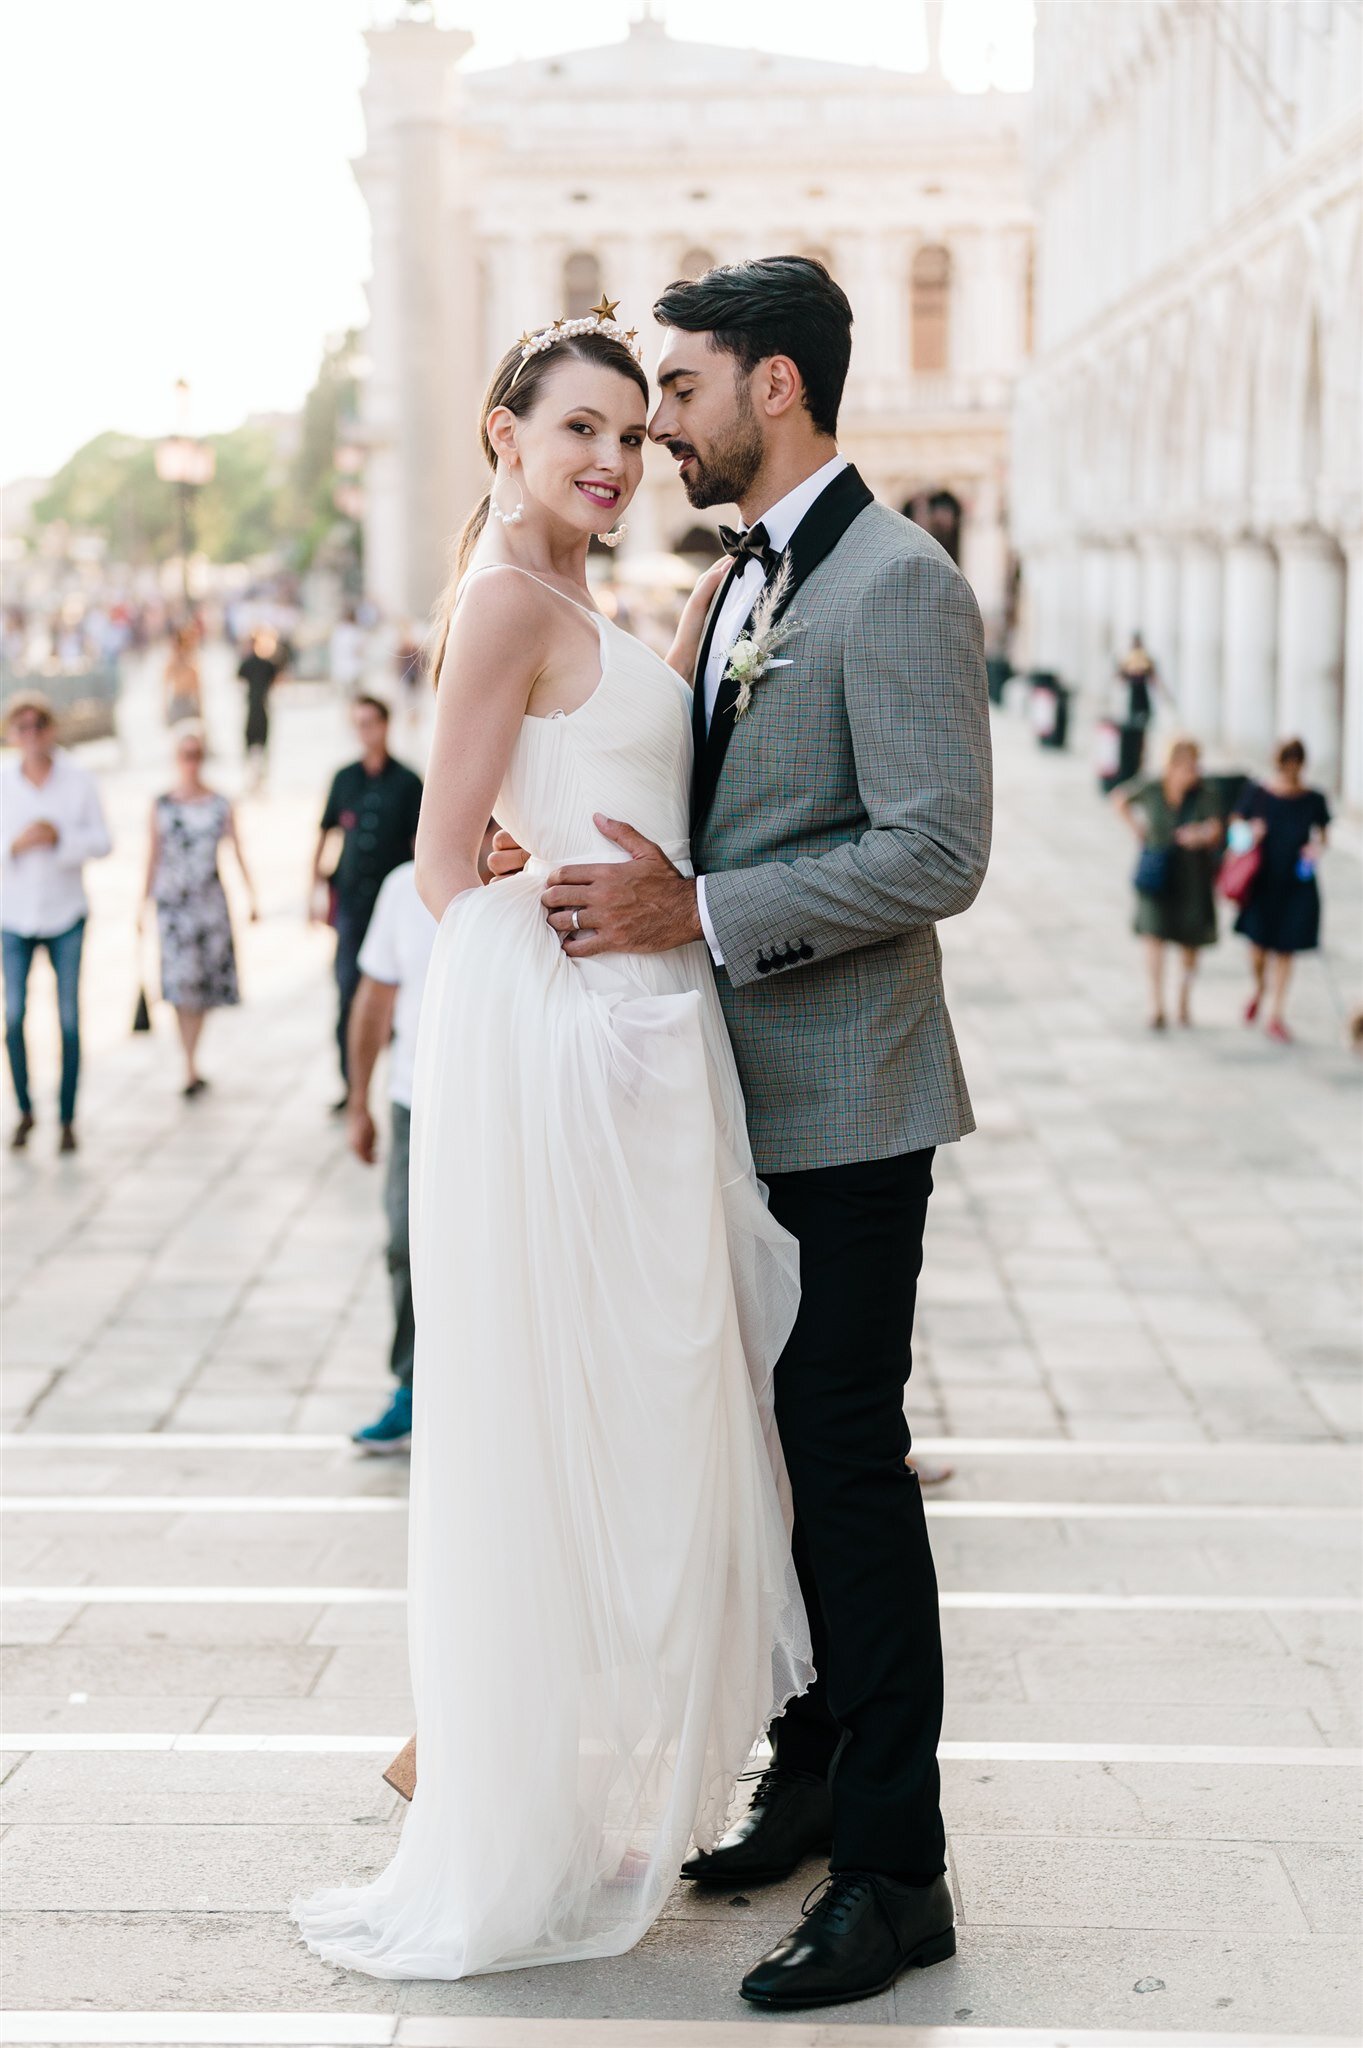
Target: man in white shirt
(387,1005)
(53,824)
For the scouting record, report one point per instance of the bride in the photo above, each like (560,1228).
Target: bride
(603,1613)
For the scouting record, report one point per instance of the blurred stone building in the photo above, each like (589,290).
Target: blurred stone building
(1187,454)
(501,198)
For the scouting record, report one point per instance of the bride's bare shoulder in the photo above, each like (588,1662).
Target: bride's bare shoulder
(502,622)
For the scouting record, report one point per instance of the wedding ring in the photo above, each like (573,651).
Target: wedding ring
(576,921)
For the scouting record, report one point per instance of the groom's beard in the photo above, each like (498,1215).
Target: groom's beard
(732,466)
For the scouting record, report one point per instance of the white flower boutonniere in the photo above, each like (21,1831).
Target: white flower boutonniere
(754,651)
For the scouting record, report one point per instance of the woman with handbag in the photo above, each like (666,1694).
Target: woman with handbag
(198,959)
(1179,829)
(1280,913)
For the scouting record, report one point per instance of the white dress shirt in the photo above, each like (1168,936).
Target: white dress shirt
(41,892)
(781,521)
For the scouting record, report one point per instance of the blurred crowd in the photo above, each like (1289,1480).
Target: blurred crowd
(1202,838)
(76,634)
(1255,842)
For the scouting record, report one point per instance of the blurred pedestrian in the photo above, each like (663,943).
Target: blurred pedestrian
(1176,820)
(259,670)
(373,803)
(387,1005)
(53,823)
(1288,823)
(347,651)
(181,682)
(198,957)
(1136,672)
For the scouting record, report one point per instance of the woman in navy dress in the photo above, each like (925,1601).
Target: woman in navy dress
(1282,914)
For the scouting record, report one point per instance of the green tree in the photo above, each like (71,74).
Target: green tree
(258,501)
(110,487)
(329,410)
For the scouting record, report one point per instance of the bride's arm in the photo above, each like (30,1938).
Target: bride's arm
(493,658)
(684,652)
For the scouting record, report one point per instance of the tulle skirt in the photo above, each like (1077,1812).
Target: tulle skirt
(603,1613)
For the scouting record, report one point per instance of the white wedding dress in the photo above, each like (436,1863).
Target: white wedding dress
(603,1613)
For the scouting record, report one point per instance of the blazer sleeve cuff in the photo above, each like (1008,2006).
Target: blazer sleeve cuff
(750,915)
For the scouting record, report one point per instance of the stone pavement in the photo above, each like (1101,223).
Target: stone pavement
(1138,1348)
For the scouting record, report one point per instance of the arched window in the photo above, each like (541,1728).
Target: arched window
(696,262)
(931,310)
(581,284)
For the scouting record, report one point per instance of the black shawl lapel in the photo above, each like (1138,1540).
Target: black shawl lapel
(698,686)
(818,533)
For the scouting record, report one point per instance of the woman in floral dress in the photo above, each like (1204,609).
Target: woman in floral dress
(198,959)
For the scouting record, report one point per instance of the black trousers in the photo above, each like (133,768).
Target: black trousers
(874,1714)
(352,922)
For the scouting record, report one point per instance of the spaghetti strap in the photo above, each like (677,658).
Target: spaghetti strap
(480,568)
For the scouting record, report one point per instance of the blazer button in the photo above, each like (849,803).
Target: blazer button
(764,965)
(806,952)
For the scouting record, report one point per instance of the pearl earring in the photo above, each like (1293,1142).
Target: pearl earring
(511,518)
(614,537)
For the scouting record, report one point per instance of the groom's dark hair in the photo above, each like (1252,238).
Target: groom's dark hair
(775,306)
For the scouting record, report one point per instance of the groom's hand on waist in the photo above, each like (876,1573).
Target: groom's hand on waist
(640,905)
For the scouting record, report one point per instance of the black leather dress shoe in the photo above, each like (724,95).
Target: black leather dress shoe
(790,1817)
(859,1936)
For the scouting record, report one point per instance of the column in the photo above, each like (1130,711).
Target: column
(1095,633)
(1250,639)
(1351,778)
(1158,619)
(1038,638)
(1124,597)
(1197,706)
(1311,650)
(984,553)
(426,347)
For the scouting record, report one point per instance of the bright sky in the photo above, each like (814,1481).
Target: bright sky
(179,201)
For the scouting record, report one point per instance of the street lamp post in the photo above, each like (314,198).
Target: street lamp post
(188,464)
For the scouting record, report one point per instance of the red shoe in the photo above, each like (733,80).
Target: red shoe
(1251,1009)
(1279,1031)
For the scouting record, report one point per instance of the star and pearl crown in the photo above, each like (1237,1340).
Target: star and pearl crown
(599,320)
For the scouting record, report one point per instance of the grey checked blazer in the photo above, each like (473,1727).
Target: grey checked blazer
(835,823)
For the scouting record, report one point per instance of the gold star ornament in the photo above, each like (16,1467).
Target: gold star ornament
(605,308)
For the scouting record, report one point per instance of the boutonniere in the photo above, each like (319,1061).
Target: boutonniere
(754,652)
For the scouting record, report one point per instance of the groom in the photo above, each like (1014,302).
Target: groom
(841,806)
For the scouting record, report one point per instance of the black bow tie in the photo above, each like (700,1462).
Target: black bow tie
(750,546)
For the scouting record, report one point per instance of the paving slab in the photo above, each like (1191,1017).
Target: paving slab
(162,1961)
(1194,1886)
(1148,1979)
(1328,1879)
(115,1868)
(100,1668)
(193,1790)
(109,1713)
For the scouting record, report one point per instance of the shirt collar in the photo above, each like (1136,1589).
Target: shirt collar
(58,770)
(785,515)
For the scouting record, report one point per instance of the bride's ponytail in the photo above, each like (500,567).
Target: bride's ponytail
(444,611)
(516,383)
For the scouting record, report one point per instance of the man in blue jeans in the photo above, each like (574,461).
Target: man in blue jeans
(54,823)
